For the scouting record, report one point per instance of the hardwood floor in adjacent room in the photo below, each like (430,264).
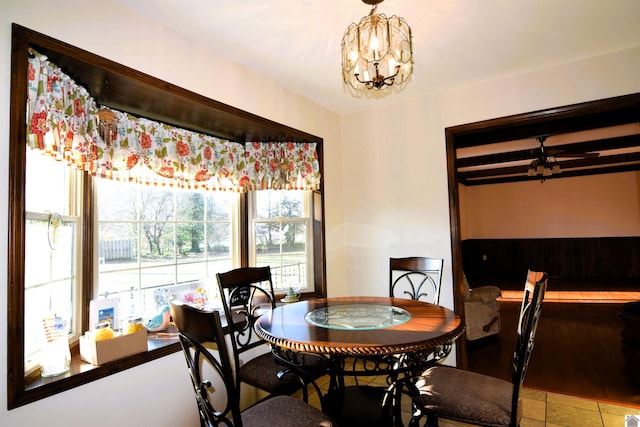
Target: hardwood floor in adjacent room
(578,351)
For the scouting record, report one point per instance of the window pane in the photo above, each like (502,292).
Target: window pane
(191,241)
(50,276)
(157,243)
(191,272)
(219,206)
(164,243)
(47,184)
(282,237)
(219,240)
(274,204)
(286,254)
(156,205)
(190,206)
(118,245)
(118,201)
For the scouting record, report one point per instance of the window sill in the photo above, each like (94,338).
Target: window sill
(81,372)
(159,344)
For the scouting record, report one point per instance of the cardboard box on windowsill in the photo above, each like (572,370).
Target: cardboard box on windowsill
(100,352)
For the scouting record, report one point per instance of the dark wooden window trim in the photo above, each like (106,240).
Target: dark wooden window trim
(126,89)
(571,118)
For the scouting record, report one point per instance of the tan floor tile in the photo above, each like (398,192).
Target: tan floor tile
(534,409)
(572,416)
(352,381)
(533,394)
(528,422)
(540,409)
(379,381)
(572,401)
(314,400)
(613,420)
(323,381)
(607,408)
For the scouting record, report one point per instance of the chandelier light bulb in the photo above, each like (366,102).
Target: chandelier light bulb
(373,44)
(353,58)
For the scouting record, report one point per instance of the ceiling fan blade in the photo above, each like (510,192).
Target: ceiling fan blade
(583,155)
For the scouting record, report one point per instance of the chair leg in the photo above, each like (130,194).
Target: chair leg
(416,416)
(414,421)
(432,421)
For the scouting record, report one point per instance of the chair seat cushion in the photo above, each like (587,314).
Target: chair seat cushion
(285,411)
(460,395)
(262,372)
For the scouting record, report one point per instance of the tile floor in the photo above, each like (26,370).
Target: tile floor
(540,409)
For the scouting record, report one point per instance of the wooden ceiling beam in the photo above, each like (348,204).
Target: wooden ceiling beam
(571,118)
(565,166)
(598,145)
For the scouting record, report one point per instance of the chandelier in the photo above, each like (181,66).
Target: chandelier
(377,52)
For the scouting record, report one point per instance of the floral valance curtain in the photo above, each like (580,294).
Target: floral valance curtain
(64,121)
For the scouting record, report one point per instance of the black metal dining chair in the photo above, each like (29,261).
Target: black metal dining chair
(468,397)
(417,278)
(246,294)
(212,375)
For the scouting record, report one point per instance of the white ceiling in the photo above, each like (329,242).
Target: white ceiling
(456,42)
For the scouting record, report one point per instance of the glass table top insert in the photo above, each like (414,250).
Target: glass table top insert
(357,316)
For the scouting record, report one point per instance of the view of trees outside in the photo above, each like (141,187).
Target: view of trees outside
(151,241)
(281,225)
(154,237)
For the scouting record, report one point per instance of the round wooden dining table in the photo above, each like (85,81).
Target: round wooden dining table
(360,337)
(428,325)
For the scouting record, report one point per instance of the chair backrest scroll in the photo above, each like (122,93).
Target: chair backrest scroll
(195,328)
(417,278)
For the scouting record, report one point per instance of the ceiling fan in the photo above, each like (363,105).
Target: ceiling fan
(546,152)
(545,162)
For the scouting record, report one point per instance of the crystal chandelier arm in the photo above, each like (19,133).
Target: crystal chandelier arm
(378,81)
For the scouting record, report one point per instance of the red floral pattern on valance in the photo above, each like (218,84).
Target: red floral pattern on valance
(65,122)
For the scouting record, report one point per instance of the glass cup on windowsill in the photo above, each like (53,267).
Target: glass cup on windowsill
(55,356)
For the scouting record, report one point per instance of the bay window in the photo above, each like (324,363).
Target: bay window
(107,203)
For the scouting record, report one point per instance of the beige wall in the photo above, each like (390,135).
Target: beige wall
(385,175)
(395,161)
(157,393)
(593,206)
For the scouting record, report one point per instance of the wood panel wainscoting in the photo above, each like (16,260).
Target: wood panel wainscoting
(607,263)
